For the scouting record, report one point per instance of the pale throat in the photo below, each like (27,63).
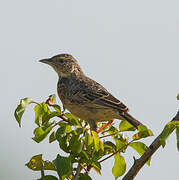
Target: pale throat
(66,74)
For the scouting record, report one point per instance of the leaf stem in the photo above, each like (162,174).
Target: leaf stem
(33,102)
(108,135)
(115,152)
(63,117)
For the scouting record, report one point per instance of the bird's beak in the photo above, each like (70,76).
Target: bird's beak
(46,61)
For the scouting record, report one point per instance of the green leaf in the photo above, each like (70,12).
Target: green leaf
(63,144)
(42,113)
(109,147)
(95,156)
(49,177)
(72,119)
(52,137)
(40,134)
(68,129)
(36,161)
(62,138)
(101,145)
(63,166)
(57,108)
(178,97)
(140,148)
(78,146)
(119,167)
(84,155)
(120,145)
(88,139)
(84,177)
(96,141)
(96,166)
(19,111)
(60,132)
(112,130)
(177,135)
(142,128)
(143,132)
(168,129)
(125,126)
(176,123)
(49,166)
(75,144)
(52,114)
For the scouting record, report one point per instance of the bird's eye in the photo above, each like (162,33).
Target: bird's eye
(62,61)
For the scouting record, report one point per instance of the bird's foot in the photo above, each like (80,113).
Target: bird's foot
(105,125)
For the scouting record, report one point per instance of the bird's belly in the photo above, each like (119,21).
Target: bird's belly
(91,113)
(88,111)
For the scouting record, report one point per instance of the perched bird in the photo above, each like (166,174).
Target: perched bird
(84,97)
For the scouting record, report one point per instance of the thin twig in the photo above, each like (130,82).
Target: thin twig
(83,167)
(60,121)
(42,170)
(88,168)
(108,135)
(114,153)
(78,170)
(63,117)
(108,157)
(139,163)
(33,102)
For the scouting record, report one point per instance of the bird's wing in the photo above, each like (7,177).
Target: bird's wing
(91,92)
(105,99)
(95,94)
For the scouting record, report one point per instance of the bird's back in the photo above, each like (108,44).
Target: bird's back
(82,90)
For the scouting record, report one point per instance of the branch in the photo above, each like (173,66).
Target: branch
(63,118)
(42,170)
(139,163)
(119,150)
(78,169)
(61,115)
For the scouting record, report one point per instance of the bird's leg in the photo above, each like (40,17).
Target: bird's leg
(93,125)
(105,125)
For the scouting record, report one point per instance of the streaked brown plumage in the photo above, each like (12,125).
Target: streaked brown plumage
(84,97)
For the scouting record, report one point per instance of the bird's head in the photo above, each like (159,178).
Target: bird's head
(63,64)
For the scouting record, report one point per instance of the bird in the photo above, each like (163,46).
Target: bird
(85,98)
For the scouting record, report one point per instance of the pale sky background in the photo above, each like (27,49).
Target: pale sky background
(129,46)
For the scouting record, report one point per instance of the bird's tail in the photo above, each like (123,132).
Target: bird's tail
(130,119)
